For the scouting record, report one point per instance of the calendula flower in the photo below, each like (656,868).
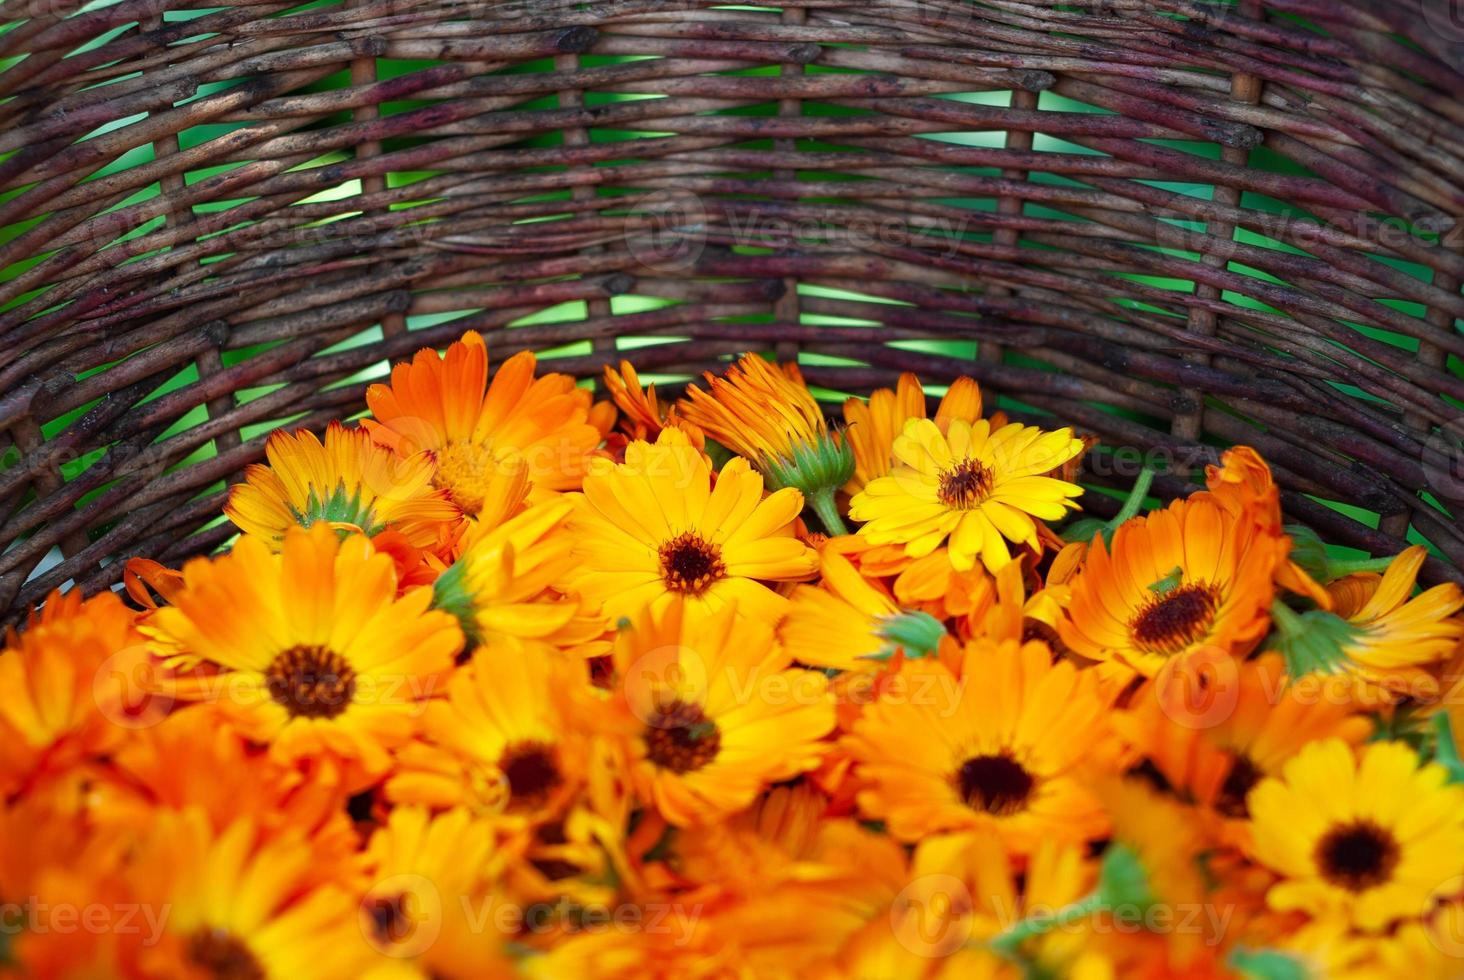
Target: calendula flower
(505,740)
(645,415)
(1211,735)
(1242,484)
(178,764)
(847,623)
(1176,580)
(241,905)
(502,588)
(654,530)
(1378,632)
(319,654)
(446,407)
(429,882)
(871,427)
(1330,949)
(1373,838)
(347,482)
(768,415)
(971,486)
(713,712)
(75,679)
(1000,748)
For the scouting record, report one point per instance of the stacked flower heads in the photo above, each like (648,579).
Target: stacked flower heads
(504,681)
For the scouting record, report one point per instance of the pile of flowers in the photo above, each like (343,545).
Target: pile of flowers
(504,681)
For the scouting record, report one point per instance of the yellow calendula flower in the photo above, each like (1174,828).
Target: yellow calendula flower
(848,623)
(240,904)
(504,741)
(347,481)
(319,654)
(655,530)
(1374,838)
(713,712)
(873,425)
(972,486)
(1378,631)
(504,587)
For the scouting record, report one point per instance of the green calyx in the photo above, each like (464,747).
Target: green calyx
(818,469)
(917,633)
(1309,551)
(338,508)
(451,595)
(1313,642)
(1082,530)
(1266,964)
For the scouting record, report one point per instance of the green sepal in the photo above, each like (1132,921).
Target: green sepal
(1313,642)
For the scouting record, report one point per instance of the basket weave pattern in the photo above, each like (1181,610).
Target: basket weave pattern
(221,219)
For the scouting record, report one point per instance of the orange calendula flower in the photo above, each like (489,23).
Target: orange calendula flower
(1373,838)
(1242,484)
(347,482)
(758,410)
(655,530)
(239,904)
(318,654)
(429,898)
(446,407)
(713,712)
(1213,729)
(767,415)
(645,415)
(75,680)
(1000,747)
(1177,580)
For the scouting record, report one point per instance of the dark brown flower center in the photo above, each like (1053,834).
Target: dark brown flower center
(1242,779)
(995,784)
(389,920)
(532,772)
(965,485)
(311,682)
(223,956)
(1357,856)
(690,564)
(682,738)
(1175,619)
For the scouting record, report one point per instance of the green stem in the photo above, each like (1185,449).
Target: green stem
(1135,500)
(1286,618)
(823,505)
(1446,753)
(1009,941)
(1339,569)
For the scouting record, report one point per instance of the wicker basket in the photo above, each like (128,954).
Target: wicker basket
(1175,224)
